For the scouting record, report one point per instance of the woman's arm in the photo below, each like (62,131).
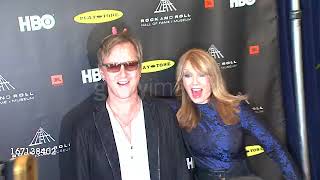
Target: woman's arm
(270,144)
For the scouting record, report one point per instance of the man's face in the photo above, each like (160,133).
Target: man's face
(122,80)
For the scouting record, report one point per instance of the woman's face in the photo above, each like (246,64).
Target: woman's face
(196,84)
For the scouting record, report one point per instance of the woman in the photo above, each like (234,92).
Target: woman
(214,121)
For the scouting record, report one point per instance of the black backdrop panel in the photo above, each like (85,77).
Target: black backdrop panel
(48,63)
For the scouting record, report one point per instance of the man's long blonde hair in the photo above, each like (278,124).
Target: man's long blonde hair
(225,103)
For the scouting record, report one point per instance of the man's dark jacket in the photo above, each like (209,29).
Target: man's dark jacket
(95,153)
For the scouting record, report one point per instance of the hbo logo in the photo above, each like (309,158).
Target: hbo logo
(35,23)
(241,3)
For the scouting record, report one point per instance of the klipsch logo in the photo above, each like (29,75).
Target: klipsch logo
(9,94)
(98,16)
(218,56)
(156,65)
(165,14)
(35,23)
(40,146)
(56,80)
(241,3)
(254,50)
(208,4)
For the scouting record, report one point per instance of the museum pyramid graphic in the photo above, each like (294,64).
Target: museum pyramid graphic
(214,52)
(5,85)
(165,6)
(41,137)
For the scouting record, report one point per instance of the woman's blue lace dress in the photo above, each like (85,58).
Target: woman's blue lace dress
(216,146)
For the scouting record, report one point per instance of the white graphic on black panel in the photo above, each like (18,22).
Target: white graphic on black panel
(41,137)
(214,52)
(165,6)
(5,85)
(35,23)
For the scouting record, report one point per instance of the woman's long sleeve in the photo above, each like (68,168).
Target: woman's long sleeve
(270,144)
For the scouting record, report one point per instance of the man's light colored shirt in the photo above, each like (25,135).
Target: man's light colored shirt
(133,157)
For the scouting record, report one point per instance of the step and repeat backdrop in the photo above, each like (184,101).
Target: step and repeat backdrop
(49,75)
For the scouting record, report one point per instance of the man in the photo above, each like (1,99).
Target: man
(127,137)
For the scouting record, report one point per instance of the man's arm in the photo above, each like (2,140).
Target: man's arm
(183,160)
(80,157)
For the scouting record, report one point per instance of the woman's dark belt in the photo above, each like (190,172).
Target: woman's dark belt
(238,169)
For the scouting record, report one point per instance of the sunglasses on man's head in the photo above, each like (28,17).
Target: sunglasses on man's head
(128,66)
